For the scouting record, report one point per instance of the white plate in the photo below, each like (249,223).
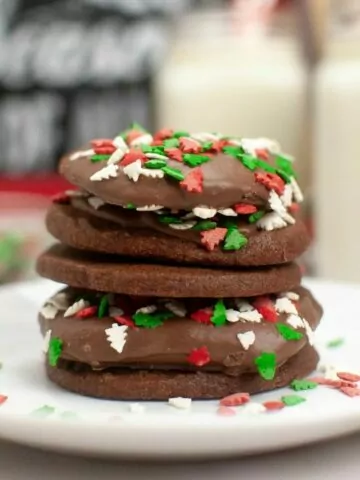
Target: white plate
(108,428)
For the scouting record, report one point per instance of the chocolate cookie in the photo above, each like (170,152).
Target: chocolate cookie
(119,275)
(122,384)
(110,229)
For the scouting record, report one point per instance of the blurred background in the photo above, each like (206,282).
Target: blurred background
(285,69)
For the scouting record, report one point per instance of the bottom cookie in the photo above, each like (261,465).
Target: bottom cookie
(123,384)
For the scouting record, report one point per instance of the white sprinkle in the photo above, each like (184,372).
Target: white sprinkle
(145,139)
(176,307)
(271,221)
(182,226)
(46,341)
(291,295)
(110,171)
(286,197)
(250,145)
(246,339)
(228,212)
(96,202)
(49,311)
(252,408)
(152,173)
(148,309)
(76,307)
(136,408)
(180,402)
(188,216)
(243,305)
(60,301)
(309,332)
(329,371)
(149,208)
(117,156)
(232,315)
(295,321)
(204,212)
(115,312)
(252,316)
(205,137)
(299,197)
(116,335)
(133,170)
(285,305)
(277,206)
(81,153)
(75,193)
(119,142)
(156,156)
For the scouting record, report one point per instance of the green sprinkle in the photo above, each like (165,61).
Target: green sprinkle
(218,317)
(171,143)
(173,173)
(265,166)
(206,146)
(44,411)
(266,365)
(55,349)
(292,400)
(99,158)
(194,160)
(68,415)
(233,150)
(254,217)
(336,342)
(168,219)
(283,175)
(155,164)
(298,385)
(103,306)
(181,133)
(288,332)
(234,240)
(130,206)
(151,320)
(138,127)
(204,225)
(152,149)
(248,161)
(285,165)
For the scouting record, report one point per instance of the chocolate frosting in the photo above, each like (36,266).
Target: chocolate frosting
(167,346)
(226,182)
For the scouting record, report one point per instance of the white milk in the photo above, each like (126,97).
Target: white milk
(215,80)
(337,166)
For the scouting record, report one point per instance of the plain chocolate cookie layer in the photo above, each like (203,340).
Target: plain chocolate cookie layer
(106,273)
(123,384)
(86,231)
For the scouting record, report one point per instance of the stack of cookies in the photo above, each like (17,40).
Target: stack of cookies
(179,254)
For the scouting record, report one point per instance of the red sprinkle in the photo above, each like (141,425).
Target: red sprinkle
(351,391)
(174,154)
(125,321)
(87,312)
(163,134)
(132,156)
(326,382)
(294,207)
(199,356)
(108,150)
(274,405)
(271,181)
(212,238)
(62,198)
(193,181)
(235,400)
(3,399)
(225,411)
(218,145)
(348,377)
(266,308)
(133,135)
(188,145)
(202,316)
(262,153)
(102,142)
(244,208)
